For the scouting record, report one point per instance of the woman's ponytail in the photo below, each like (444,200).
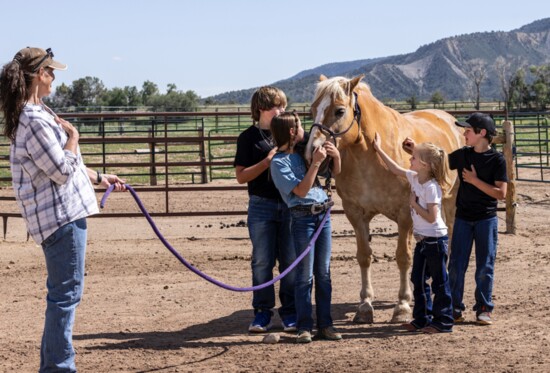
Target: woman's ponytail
(15,85)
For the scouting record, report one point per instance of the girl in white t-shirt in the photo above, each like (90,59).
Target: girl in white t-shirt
(429,181)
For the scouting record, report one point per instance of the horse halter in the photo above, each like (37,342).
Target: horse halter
(333,135)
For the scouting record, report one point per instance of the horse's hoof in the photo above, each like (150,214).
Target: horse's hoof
(402,313)
(364,315)
(363,319)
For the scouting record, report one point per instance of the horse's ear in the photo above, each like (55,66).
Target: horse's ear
(322,77)
(353,82)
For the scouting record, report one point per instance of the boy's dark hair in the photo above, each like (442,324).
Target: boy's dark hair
(477,122)
(488,135)
(266,98)
(281,125)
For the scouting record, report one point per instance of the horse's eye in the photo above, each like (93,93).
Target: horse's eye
(340,112)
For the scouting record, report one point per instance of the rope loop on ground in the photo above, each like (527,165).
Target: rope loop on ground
(196,270)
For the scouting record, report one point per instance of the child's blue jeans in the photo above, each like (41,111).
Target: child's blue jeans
(430,260)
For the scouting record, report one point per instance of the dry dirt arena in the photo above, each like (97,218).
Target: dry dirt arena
(143,311)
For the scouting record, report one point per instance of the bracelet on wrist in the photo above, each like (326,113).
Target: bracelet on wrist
(99,178)
(317,164)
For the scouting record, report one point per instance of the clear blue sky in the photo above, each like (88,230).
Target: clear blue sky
(213,46)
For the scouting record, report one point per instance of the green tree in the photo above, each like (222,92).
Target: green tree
(437,99)
(171,87)
(412,101)
(133,96)
(86,91)
(61,98)
(519,90)
(148,90)
(174,101)
(115,97)
(540,88)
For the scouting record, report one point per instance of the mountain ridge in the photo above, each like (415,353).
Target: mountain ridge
(444,65)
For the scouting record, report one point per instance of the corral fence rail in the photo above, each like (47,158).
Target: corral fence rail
(173,152)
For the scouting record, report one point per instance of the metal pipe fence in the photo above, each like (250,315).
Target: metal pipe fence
(169,152)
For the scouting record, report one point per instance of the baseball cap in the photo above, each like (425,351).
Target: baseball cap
(32,59)
(481,121)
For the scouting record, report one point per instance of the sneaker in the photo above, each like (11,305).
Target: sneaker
(289,323)
(329,333)
(457,315)
(304,336)
(261,323)
(484,318)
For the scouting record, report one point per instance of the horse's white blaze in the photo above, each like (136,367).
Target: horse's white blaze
(315,142)
(325,102)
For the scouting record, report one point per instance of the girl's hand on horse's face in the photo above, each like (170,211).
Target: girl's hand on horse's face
(331,149)
(319,154)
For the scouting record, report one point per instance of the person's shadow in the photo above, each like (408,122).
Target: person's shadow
(234,324)
(205,335)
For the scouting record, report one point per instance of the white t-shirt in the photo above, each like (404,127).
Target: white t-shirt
(429,192)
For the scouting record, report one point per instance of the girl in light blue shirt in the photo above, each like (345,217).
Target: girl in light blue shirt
(308,203)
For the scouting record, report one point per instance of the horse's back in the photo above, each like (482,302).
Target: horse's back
(436,126)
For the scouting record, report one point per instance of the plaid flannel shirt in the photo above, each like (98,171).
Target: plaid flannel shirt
(51,184)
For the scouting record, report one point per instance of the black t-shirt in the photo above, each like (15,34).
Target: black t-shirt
(252,148)
(471,203)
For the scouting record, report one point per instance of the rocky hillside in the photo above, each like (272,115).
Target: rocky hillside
(445,65)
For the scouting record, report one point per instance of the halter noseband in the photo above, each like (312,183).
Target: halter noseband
(334,135)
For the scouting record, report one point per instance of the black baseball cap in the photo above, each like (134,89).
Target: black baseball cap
(481,121)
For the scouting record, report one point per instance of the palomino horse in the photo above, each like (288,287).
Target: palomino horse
(345,109)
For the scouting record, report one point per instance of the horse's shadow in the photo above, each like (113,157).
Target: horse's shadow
(233,325)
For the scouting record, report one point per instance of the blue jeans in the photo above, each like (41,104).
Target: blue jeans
(316,263)
(485,234)
(430,260)
(64,251)
(269,229)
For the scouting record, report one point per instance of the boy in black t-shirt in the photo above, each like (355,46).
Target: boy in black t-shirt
(483,181)
(268,216)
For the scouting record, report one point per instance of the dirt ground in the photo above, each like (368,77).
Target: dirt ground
(144,312)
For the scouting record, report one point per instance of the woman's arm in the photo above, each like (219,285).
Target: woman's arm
(72,133)
(105,180)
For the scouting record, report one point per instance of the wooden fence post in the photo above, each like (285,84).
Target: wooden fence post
(511,201)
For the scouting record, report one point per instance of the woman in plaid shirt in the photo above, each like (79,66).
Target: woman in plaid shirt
(54,191)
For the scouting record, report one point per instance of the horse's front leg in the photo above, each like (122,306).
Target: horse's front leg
(365,311)
(403,256)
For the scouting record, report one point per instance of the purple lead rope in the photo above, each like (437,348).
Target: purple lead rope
(198,272)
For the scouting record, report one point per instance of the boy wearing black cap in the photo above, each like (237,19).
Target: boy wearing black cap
(483,181)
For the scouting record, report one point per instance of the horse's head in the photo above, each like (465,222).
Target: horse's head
(335,112)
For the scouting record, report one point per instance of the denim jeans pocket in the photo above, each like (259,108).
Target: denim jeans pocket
(53,237)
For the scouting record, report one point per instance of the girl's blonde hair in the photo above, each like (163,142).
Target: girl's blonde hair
(436,159)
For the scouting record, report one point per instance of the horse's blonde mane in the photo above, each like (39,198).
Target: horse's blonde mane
(333,88)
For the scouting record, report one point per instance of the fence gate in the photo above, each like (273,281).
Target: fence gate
(531,139)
